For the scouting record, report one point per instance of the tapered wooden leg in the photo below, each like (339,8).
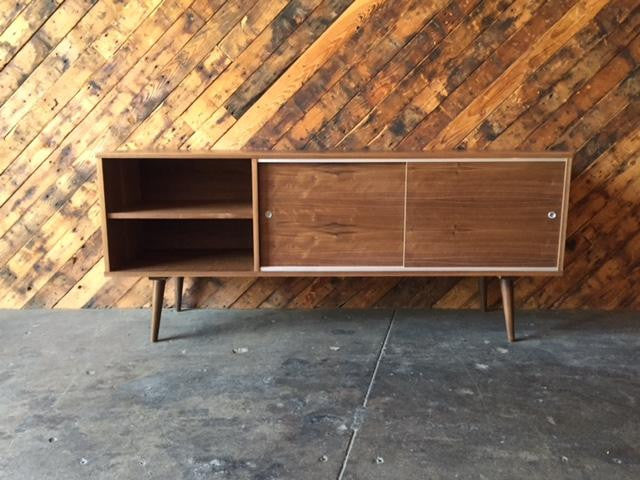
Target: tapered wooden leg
(156,306)
(178,303)
(506,287)
(482,288)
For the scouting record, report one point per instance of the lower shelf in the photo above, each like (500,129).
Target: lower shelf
(190,263)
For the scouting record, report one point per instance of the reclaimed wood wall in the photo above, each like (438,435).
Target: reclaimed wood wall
(82,76)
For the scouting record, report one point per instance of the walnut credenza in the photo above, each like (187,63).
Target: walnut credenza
(214,214)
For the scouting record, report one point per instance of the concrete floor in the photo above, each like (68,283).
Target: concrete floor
(84,395)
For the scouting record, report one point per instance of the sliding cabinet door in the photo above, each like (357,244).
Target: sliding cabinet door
(485,214)
(331,214)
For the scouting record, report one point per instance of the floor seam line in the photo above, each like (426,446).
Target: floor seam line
(359,416)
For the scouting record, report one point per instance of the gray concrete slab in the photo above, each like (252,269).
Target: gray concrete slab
(453,399)
(84,395)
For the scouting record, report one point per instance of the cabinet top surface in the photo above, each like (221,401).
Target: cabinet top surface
(324,155)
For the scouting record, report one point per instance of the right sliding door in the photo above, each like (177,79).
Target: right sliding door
(485,214)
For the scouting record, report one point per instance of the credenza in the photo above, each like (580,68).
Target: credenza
(217,214)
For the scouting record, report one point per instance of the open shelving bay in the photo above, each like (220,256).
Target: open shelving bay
(178,216)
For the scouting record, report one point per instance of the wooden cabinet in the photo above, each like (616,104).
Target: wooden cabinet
(171,214)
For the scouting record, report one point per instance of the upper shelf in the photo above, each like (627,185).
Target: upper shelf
(186,210)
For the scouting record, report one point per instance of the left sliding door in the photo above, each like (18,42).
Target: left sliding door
(331,214)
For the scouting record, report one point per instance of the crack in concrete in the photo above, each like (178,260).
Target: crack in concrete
(361,411)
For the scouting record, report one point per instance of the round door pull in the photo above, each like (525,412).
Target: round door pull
(268,214)
(552,215)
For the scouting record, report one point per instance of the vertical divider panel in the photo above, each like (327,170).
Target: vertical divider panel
(256,214)
(404,219)
(565,213)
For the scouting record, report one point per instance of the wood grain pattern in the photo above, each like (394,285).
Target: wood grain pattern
(79,77)
(497,214)
(331,214)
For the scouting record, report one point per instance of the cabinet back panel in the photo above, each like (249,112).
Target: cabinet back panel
(194,180)
(484,214)
(121,178)
(197,234)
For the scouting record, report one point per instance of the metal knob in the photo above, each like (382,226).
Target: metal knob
(268,214)
(552,215)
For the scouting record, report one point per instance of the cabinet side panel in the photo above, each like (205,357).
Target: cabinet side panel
(484,214)
(103,214)
(256,214)
(331,214)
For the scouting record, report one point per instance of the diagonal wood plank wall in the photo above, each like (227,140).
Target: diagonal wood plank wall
(81,76)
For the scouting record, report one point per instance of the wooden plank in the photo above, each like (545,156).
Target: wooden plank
(31,280)
(444,39)
(343,75)
(285,292)
(180,98)
(526,22)
(372,293)
(588,201)
(535,56)
(139,295)
(586,248)
(598,86)
(343,290)
(22,28)
(459,295)
(164,118)
(31,73)
(255,86)
(302,69)
(79,295)
(84,76)
(414,293)
(32,142)
(263,46)
(621,124)
(106,291)
(555,77)
(616,100)
(258,292)
(313,294)
(552,97)
(10,12)
(69,274)
(229,289)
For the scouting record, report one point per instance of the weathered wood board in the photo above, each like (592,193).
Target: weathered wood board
(82,76)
